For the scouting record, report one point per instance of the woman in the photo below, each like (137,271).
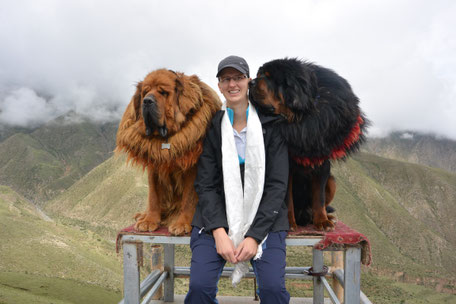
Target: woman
(241,184)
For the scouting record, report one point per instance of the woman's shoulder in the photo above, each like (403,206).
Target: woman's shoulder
(217,118)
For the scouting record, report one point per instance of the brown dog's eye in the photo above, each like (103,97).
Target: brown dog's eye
(163,93)
(145,90)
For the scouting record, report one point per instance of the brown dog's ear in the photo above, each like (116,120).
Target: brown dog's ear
(137,100)
(188,93)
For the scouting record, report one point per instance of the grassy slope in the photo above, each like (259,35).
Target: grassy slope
(374,196)
(405,210)
(27,288)
(107,197)
(380,207)
(34,250)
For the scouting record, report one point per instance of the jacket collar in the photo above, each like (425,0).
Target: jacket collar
(265,119)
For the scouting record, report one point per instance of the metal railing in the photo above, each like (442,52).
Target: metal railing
(348,278)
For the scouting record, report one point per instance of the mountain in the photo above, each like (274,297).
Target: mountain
(6,131)
(406,210)
(43,261)
(400,194)
(106,198)
(42,163)
(414,147)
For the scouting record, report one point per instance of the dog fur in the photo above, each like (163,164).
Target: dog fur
(322,122)
(162,130)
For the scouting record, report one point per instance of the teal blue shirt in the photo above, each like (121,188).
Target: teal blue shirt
(239,137)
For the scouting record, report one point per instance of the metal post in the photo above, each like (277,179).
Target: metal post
(156,264)
(169,267)
(131,273)
(337,259)
(318,287)
(352,275)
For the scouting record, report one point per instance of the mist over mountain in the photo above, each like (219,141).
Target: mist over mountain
(426,149)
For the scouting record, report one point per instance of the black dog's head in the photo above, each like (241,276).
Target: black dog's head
(287,87)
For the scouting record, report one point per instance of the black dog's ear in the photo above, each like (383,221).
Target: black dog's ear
(300,93)
(137,100)
(314,86)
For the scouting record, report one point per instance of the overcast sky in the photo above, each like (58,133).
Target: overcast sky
(86,56)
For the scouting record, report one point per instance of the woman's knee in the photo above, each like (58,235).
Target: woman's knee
(202,285)
(198,292)
(271,287)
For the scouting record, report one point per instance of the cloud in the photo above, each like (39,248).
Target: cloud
(86,56)
(23,107)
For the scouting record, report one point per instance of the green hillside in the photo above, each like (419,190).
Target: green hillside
(7,131)
(405,210)
(42,261)
(45,162)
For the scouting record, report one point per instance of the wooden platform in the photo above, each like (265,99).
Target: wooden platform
(355,248)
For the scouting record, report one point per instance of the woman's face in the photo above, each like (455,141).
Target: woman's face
(234,86)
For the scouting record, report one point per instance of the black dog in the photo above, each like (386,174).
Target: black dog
(321,122)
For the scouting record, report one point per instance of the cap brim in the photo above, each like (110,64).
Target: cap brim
(243,71)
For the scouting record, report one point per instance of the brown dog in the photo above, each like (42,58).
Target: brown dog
(162,130)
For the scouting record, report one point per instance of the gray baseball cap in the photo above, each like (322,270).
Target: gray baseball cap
(235,62)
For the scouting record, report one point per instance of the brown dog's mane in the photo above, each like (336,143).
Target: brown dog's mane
(185,145)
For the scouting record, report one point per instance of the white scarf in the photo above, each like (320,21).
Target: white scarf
(241,208)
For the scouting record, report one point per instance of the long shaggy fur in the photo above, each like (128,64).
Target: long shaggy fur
(179,111)
(322,118)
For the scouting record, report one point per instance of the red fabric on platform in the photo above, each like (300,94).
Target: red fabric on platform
(342,235)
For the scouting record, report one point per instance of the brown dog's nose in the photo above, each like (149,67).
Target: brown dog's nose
(149,100)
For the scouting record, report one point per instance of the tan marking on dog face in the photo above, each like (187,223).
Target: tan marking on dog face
(266,97)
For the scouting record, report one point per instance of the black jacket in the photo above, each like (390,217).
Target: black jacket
(272,212)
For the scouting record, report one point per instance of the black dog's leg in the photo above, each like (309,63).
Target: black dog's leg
(319,182)
(290,204)
(330,191)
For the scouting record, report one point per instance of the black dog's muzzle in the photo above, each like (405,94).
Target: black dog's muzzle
(151,115)
(256,98)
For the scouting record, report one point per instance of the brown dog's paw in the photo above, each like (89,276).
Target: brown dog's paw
(181,225)
(147,222)
(325,224)
(179,228)
(332,218)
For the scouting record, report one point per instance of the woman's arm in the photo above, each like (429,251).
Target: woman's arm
(209,184)
(275,186)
